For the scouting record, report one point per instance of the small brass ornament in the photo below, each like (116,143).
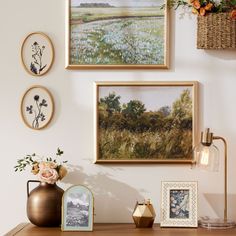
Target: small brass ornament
(144,214)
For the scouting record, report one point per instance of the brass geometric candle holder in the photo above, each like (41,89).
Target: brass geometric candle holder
(144,214)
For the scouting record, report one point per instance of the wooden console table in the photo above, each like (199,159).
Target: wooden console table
(27,229)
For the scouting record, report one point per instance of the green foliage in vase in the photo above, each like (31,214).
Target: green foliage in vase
(47,169)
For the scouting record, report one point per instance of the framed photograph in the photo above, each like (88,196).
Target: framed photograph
(179,204)
(37,53)
(37,107)
(145,121)
(77,209)
(116,34)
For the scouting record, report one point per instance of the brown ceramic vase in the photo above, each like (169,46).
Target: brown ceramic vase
(44,204)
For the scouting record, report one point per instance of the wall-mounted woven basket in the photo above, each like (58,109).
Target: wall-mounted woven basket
(216,31)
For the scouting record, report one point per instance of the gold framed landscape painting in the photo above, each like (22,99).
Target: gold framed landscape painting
(145,122)
(113,34)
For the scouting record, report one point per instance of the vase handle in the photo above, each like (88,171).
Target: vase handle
(31,181)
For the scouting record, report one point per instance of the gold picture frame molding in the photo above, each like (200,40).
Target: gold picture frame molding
(195,105)
(68,65)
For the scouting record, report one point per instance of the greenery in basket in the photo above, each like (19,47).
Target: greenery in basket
(47,169)
(203,7)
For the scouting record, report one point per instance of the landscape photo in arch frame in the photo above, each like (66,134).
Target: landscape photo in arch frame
(145,122)
(77,209)
(113,34)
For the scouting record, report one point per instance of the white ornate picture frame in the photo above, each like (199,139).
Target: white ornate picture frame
(179,204)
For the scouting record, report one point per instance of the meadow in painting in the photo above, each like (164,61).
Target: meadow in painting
(153,123)
(117,32)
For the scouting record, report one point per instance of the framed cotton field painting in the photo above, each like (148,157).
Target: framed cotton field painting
(112,34)
(179,204)
(145,122)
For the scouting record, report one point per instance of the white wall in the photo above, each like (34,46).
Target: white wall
(116,187)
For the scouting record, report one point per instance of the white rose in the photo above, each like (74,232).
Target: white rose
(48,175)
(47,164)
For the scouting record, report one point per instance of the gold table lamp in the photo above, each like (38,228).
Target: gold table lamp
(206,155)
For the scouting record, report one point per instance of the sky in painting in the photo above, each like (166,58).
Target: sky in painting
(153,97)
(121,3)
(81,198)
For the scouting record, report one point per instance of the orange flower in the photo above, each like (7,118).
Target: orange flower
(202,11)
(208,7)
(35,168)
(196,4)
(62,172)
(195,11)
(233,14)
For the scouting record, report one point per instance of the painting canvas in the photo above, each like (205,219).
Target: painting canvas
(117,34)
(179,204)
(145,122)
(37,107)
(77,209)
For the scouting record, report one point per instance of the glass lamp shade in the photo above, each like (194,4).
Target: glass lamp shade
(207,157)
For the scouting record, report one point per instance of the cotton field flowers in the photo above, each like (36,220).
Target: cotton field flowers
(119,41)
(47,169)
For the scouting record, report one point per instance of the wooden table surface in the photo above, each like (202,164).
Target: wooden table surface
(27,229)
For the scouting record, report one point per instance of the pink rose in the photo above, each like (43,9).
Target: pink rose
(48,175)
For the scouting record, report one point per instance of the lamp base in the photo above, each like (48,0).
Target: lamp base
(216,223)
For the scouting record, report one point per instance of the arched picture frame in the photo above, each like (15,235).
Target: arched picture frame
(37,107)
(37,53)
(77,209)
